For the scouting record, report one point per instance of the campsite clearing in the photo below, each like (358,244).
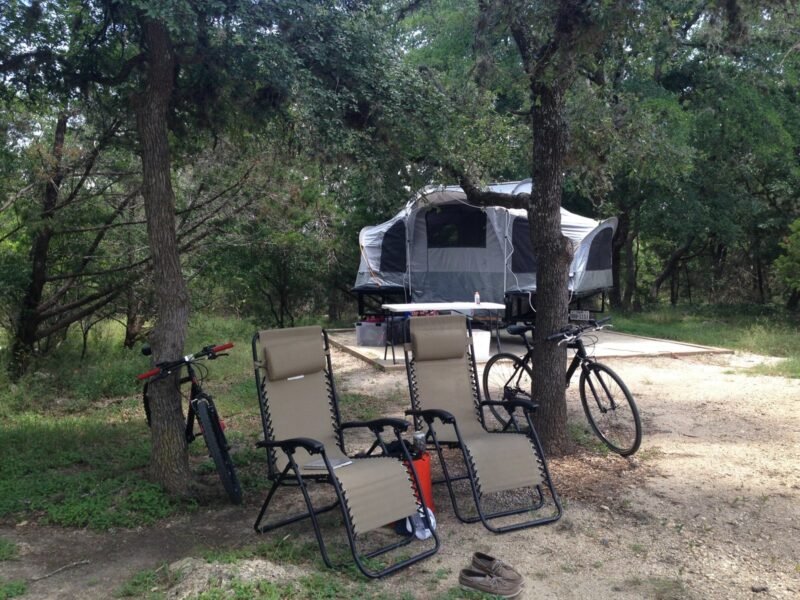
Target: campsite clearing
(709,508)
(601,344)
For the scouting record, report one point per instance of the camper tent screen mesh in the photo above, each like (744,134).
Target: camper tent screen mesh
(600,251)
(456,227)
(523,259)
(393,249)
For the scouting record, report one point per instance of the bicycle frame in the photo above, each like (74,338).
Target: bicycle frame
(580,357)
(194,392)
(599,385)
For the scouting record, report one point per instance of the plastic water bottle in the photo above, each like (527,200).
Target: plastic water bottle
(477,298)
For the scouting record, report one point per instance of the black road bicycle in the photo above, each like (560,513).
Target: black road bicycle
(201,410)
(607,402)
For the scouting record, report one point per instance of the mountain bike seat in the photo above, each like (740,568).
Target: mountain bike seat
(519,329)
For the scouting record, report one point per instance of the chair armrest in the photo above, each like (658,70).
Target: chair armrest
(510,405)
(378,425)
(430,414)
(290,445)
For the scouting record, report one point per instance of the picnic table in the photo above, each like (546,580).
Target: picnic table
(468,309)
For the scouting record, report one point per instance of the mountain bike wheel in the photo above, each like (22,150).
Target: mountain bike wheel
(218,447)
(610,409)
(506,377)
(146,403)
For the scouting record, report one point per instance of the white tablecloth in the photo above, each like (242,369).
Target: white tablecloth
(461,307)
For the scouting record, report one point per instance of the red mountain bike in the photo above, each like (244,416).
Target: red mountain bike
(201,410)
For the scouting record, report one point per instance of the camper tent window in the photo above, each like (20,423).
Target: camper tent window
(523,259)
(393,249)
(456,227)
(600,251)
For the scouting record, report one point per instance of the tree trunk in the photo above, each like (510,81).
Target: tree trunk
(688,282)
(630,271)
(554,254)
(719,255)
(669,267)
(29,318)
(618,243)
(134,319)
(169,462)
(794,300)
(674,286)
(762,295)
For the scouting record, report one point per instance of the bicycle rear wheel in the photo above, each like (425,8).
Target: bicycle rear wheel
(217,446)
(506,377)
(610,409)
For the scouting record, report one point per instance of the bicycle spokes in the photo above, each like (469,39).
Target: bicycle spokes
(605,400)
(610,409)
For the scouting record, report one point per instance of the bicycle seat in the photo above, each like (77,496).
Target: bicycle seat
(519,329)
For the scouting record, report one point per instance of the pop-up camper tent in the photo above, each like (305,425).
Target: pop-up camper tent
(439,248)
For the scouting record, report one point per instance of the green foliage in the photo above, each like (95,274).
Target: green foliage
(788,264)
(148,584)
(459,593)
(12,588)
(283,551)
(477,129)
(760,330)
(581,434)
(359,407)
(260,590)
(8,550)
(319,586)
(328,123)
(96,476)
(65,381)
(78,471)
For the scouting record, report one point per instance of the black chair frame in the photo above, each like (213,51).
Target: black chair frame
(430,416)
(290,475)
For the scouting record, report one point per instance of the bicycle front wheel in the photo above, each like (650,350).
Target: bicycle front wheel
(506,377)
(610,409)
(218,447)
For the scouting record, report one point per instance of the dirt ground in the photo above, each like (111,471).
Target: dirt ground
(708,508)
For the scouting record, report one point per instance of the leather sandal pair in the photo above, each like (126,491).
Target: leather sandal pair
(492,576)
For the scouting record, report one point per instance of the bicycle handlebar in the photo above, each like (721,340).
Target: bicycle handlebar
(573,331)
(209,352)
(148,374)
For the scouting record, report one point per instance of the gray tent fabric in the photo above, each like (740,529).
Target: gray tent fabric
(439,248)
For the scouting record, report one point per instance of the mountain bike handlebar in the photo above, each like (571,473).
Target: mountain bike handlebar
(208,352)
(570,332)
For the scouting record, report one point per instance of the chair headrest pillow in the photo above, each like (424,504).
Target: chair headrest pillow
(438,338)
(292,352)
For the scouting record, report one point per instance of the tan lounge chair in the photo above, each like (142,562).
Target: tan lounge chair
(305,444)
(443,383)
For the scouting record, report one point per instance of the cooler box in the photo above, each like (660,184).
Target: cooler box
(399,330)
(422,466)
(481,341)
(370,333)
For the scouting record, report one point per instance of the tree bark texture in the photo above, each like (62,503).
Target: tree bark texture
(29,318)
(550,64)
(631,269)
(169,459)
(794,300)
(670,266)
(554,254)
(617,245)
